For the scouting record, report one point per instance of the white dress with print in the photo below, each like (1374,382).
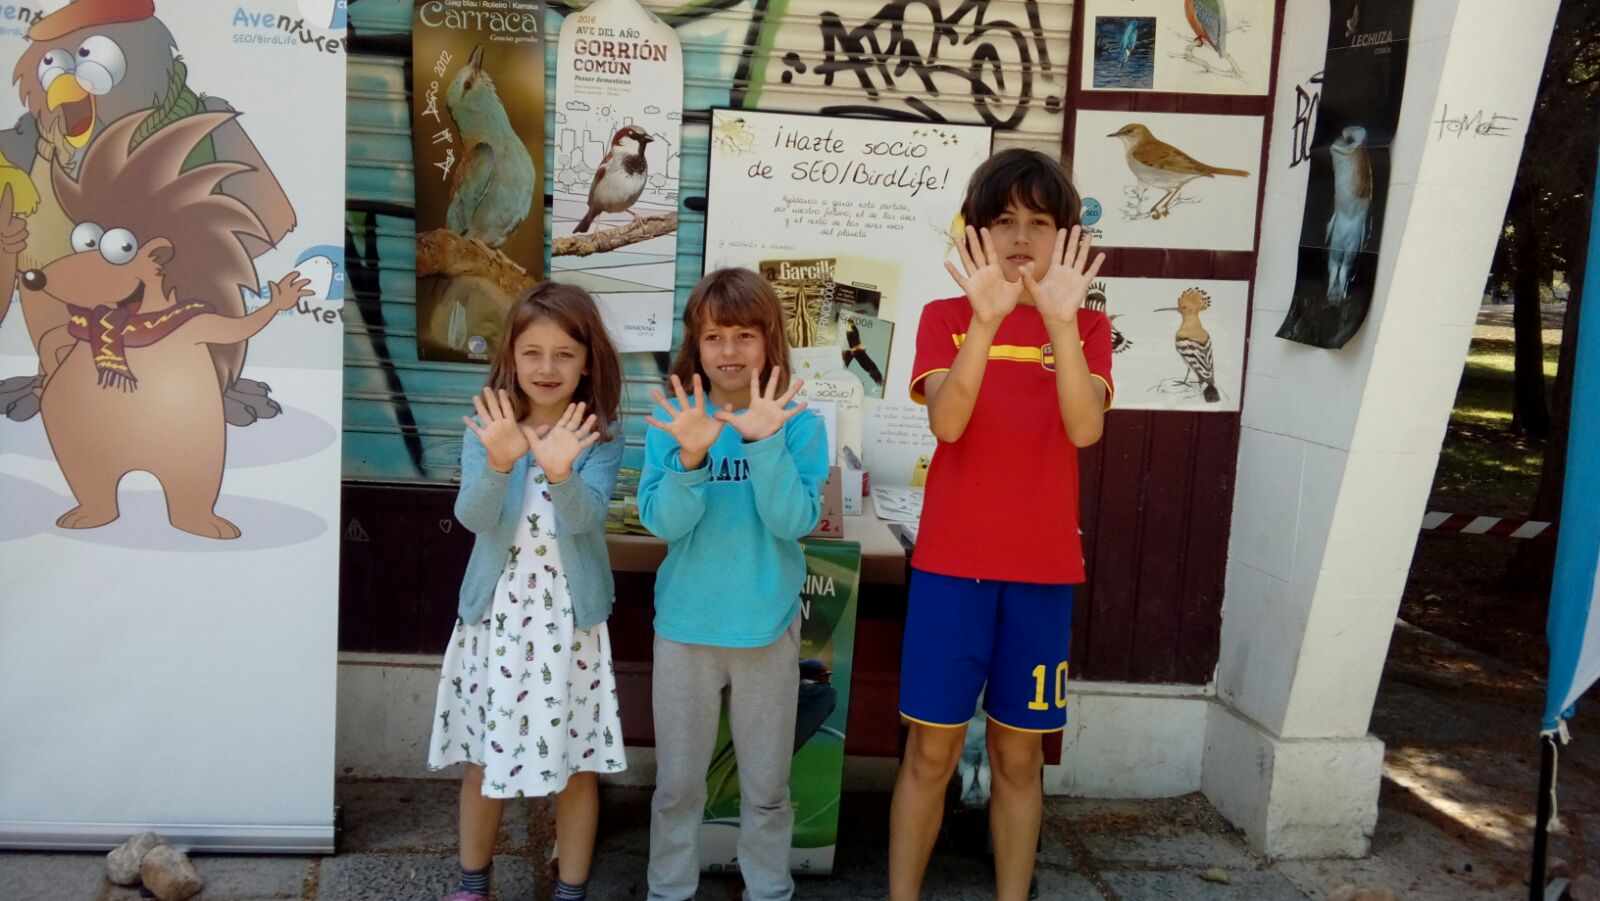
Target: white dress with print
(524,693)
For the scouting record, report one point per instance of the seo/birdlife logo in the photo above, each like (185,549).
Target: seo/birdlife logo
(319,24)
(1088,215)
(328,14)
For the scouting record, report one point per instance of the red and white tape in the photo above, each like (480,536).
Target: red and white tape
(1468,524)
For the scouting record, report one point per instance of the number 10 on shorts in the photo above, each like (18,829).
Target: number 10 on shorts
(1040,676)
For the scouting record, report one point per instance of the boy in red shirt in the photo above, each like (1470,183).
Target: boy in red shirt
(1016,377)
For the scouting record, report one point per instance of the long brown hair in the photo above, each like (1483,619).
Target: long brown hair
(732,297)
(574,311)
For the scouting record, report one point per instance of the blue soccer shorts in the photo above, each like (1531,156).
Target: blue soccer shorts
(963,634)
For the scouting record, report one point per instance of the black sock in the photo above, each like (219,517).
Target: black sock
(476,880)
(566,891)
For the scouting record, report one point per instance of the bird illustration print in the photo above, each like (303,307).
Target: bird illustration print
(855,351)
(1095,300)
(621,178)
(1208,19)
(1157,164)
(1193,343)
(1349,226)
(493,188)
(1128,43)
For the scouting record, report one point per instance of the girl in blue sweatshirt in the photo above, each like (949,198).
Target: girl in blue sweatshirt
(732,480)
(527,697)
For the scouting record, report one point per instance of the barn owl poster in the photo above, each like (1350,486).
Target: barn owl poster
(1342,227)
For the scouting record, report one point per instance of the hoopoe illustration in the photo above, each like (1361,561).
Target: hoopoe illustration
(1193,342)
(1096,300)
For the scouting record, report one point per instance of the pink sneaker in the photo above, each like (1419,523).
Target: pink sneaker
(467,896)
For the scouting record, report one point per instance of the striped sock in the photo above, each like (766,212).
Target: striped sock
(566,891)
(476,880)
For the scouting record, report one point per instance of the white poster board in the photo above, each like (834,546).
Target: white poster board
(1173,339)
(1171,180)
(151,678)
(866,204)
(1153,45)
(619,112)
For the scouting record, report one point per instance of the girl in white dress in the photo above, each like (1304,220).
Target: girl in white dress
(527,695)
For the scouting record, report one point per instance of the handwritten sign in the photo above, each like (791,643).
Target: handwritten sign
(875,197)
(1476,124)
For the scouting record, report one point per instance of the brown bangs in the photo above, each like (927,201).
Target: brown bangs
(732,297)
(575,312)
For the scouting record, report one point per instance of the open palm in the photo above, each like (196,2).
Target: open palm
(984,283)
(496,426)
(766,413)
(556,448)
(1060,294)
(690,423)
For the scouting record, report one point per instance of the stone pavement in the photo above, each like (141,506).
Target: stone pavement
(399,844)
(1454,824)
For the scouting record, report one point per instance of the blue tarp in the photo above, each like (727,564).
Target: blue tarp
(1574,626)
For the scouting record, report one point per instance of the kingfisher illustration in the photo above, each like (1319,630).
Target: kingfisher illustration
(1160,165)
(1193,342)
(493,187)
(1349,226)
(1208,19)
(1130,41)
(1095,299)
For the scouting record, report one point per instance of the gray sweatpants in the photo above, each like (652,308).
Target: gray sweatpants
(763,685)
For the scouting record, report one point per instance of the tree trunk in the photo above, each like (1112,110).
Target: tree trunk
(1535,561)
(1530,411)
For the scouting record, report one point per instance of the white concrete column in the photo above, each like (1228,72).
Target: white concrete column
(1338,448)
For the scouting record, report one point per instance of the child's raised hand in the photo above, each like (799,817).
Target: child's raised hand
(502,437)
(1059,295)
(556,447)
(985,284)
(767,411)
(690,424)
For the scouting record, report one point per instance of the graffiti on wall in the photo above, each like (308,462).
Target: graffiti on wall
(970,50)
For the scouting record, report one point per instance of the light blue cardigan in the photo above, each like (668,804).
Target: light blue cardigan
(489,504)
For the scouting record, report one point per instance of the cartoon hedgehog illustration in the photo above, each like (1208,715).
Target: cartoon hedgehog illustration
(86,65)
(134,380)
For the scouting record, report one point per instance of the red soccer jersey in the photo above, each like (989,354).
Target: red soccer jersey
(1002,501)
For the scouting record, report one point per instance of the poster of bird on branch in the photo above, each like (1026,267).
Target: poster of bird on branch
(478,140)
(618,112)
(1347,190)
(1178,46)
(1176,344)
(1169,180)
